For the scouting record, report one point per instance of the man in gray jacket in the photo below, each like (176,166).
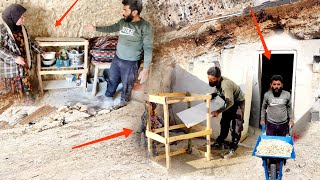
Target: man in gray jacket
(277,107)
(232,111)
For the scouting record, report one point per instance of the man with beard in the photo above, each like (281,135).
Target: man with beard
(135,39)
(232,111)
(277,106)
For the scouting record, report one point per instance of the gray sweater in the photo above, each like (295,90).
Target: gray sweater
(278,109)
(134,38)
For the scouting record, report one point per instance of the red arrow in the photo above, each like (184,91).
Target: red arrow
(266,53)
(125,132)
(58,22)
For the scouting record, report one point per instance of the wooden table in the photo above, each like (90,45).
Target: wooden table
(97,66)
(170,98)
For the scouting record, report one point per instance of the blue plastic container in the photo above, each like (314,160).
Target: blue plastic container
(66,63)
(59,63)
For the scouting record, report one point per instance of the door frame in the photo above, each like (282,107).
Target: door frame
(293,88)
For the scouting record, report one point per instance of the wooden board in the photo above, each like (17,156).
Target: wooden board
(59,39)
(54,67)
(38,114)
(163,156)
(199,113)
(170,128)
(79,71)
(190,135)
(59,84)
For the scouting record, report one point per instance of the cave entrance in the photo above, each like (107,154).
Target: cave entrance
(281,63)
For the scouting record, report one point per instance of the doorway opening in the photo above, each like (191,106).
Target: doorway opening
(281,63)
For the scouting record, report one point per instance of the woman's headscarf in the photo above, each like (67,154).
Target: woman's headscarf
(12,14)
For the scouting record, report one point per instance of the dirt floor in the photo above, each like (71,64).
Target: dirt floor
(41,149)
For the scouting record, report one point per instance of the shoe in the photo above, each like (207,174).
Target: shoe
(228,154)
(122,104)
(217,146)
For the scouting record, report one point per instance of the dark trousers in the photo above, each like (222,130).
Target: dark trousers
(277,129)
(121,71)
(232,117)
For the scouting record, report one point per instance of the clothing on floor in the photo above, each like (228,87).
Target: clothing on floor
(156,121)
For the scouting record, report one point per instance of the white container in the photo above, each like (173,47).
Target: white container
(48,62)
(69,77)
(49,55)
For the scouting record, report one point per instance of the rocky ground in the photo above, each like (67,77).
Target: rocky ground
(42,149)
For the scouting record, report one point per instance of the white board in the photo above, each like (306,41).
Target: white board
(198,113)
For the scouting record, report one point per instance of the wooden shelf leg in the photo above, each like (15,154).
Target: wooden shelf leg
(86,49)
(39,75)
(208,127)
(166,134)
(85,89)
(149,127)
(95,80)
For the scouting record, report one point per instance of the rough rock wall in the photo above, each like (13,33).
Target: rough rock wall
(163,14)
(175,14)
(42,15)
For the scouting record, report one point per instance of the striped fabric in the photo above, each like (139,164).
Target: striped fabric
(103,49)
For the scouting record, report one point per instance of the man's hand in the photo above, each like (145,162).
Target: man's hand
(89,28)
(214,95)
(262,122)
(143,76)
(20,61)
(291,123)
(215,113)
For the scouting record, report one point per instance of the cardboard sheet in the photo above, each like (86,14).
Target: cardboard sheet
(198,113)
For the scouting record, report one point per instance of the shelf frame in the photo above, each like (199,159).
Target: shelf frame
(166,99)
(62,41)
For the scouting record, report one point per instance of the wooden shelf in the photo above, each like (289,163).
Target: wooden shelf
(74,69)
(59,84)
(61,41)
(170,98)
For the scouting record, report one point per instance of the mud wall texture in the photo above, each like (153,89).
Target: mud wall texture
(163,14)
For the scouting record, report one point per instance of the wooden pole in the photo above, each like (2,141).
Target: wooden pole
(39,74)
(166,134)
(208,127)
(149,127)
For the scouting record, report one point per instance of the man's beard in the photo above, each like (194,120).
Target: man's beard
(213,84)
(276,94)
(128,18)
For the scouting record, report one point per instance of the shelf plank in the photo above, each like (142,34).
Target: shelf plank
(163,156)
(60,39)
(43,44)
(79,71)
(190,135)
(59,84)
(54,67)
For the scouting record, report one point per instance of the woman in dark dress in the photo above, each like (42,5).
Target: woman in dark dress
(15,57)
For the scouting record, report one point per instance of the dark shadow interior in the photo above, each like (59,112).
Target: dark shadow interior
(281,64)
